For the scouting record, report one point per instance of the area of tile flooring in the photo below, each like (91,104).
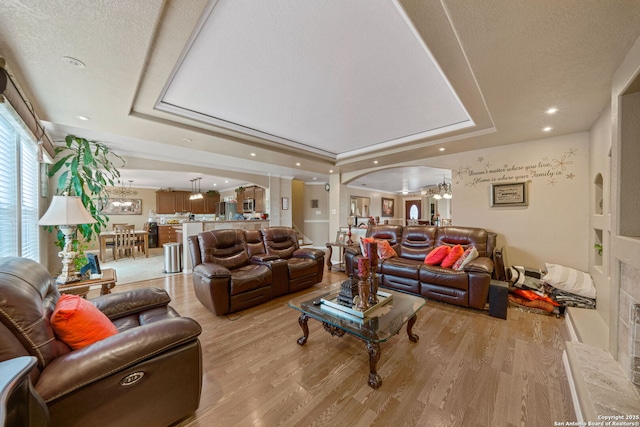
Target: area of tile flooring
(130,269)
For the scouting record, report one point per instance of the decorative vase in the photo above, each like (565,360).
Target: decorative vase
(363,291)
(373,287)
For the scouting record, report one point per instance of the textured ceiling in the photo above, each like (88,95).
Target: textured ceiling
(506,60)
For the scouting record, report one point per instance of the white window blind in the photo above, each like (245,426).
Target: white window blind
(30,240)
(8,190)
(19,234)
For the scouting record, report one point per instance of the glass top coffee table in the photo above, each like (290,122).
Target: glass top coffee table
(376,327)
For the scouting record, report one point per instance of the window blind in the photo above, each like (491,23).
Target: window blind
(19,184)
(8,190)
(30,240)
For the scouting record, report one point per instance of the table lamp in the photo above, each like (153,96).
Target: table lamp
(350,224)
(66,212)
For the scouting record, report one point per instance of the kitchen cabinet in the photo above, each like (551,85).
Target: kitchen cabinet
(211,203)
(170,202)
(197,206)
(259,199)
(239,199)
(166,234)
(165,202)
(183,204)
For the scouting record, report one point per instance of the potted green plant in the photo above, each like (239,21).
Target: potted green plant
(598,248)
(86,169)
(239,190)
(213,193)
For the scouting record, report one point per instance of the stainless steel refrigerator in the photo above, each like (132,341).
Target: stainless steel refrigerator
(227,210)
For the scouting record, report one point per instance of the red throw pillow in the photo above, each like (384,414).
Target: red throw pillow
(79,323)
(385,250)
(436,256)
(363,245)
(455,253)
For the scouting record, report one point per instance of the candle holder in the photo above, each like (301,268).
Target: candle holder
(350,224)
(373,286)
(363,291)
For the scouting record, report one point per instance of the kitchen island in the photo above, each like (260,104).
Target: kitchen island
(191,228)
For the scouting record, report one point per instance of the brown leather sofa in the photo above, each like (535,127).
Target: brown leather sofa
(96,384)
(407,272)
(237,269)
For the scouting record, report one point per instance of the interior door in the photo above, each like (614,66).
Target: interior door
(412,210)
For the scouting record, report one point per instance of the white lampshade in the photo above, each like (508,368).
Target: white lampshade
(66,210)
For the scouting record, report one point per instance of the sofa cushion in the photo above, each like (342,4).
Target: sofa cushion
(453,255)
(417,241)
(436,256)
(469,255)
(444,277)
(300,267)
(401,267)
(249,277)
(78,323)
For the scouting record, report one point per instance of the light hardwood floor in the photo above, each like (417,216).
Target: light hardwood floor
(468,369)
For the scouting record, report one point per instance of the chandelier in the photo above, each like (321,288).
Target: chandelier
(195,195)
(122,191)
(443,190)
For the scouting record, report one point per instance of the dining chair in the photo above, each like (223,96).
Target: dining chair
(125,240)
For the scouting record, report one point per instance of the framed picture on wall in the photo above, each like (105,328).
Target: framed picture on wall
(387,207)
(509,194)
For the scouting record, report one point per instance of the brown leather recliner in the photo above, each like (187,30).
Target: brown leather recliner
(149,373)
(305,265)
(224,278)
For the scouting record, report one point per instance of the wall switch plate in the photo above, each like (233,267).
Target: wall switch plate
(334,212)
(318,212)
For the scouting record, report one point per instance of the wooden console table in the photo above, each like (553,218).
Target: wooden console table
(82,287)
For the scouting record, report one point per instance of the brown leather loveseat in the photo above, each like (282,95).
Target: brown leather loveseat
(237,269)
(407,272)
(149,373)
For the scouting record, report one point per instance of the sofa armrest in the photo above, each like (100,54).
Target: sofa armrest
(263,258)
(113,354)
(316,254)
(122,304)
(352,250)
(211,270)
(480,265)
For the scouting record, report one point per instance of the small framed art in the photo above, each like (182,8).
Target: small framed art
(511,194)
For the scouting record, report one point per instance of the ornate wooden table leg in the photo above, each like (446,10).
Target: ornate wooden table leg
(302,320)
(412,337)
(375,381)
(329,263)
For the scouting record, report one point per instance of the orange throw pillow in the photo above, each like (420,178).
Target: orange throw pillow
(455,253)
(363,245)
(385,250)
(436,256)
(79,323)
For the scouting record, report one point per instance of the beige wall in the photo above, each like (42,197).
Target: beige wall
(554,226)
(316,220)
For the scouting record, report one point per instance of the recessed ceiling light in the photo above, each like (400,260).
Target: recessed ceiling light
(441,149)
(547,129)
(187,139)
(314,178)
(253,154)
(226,181)
(83,118)
(215,185)
(330,170)
(375,162)
(297,164)
(552,110)
(73,62)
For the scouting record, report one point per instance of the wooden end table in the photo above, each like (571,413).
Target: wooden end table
(340,266)
(82,287)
